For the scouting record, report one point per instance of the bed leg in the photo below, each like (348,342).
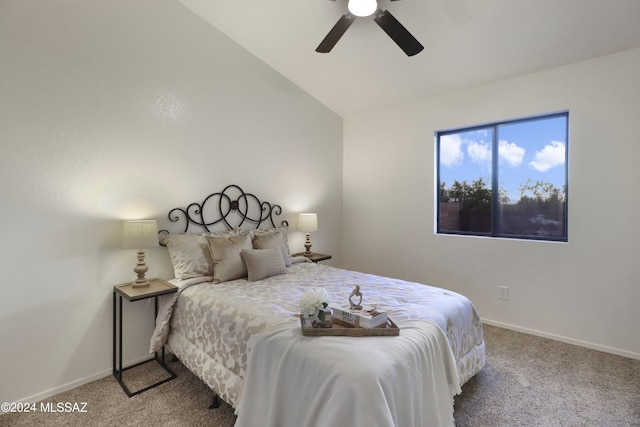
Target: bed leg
(215,402)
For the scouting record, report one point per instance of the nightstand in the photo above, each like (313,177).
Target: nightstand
(156,288)
(315,257)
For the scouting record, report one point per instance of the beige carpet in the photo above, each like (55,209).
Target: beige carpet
(528,381)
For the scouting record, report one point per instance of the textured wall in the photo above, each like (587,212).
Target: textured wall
(121,109)
(585,291)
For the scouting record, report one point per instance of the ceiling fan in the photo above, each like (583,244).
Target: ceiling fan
(383,18)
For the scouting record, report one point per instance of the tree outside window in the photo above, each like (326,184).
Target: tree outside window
(506,179)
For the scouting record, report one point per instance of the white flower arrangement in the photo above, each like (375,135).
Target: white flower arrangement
(313,300)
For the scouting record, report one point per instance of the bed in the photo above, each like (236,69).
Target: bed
(235,323)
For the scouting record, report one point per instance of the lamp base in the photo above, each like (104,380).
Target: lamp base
(307,246)
(144,283)
(140,269)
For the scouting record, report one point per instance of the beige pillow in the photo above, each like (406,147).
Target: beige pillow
(263,263)
(233,232)
(283,232)
(225,251)
(190,255)
(272,239)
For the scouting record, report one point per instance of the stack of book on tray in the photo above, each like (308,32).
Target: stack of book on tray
(367,317)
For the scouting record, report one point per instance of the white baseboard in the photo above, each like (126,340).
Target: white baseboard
(561,338)
(76,383)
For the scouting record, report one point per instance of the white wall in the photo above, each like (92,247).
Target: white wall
(586,291)
(122,109)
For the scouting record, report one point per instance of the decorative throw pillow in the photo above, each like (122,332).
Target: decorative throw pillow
(263,263)
(225,251)
(272,239)
(190,255)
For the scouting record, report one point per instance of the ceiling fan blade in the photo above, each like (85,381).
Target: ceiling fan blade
(336,32)
(398,32)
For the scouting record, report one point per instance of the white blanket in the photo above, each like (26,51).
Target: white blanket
(295,381)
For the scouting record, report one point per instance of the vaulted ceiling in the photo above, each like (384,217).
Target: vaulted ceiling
(467,42)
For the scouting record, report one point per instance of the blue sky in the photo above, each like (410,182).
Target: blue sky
(533,149)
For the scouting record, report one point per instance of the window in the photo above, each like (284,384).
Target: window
(506,179)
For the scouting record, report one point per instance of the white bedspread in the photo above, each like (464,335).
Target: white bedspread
(287,368)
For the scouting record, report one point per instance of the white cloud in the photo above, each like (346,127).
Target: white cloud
(451,150)
(510,152)
(551,155)
(480,152)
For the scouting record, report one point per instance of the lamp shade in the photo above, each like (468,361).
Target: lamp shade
(139,234)
(308,222)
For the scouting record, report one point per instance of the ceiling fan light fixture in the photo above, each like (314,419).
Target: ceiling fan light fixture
(362,7)
(385,20)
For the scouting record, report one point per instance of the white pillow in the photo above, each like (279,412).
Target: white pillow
(225,252)
(272,239)
(190,255)
(263,263)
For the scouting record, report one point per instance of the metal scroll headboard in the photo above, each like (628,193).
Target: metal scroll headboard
(235,208)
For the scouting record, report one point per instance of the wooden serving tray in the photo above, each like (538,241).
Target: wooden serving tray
(389,329)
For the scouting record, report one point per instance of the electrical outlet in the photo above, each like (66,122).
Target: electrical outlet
(503,292)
